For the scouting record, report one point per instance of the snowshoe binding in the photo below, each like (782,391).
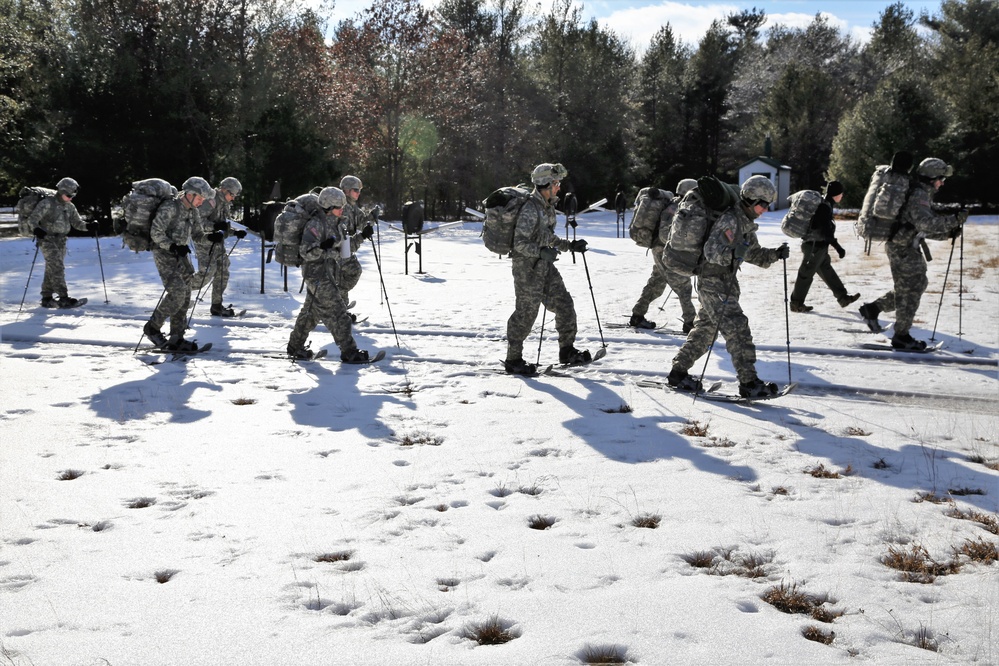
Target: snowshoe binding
(519,366)
(219,310)
(639,321)
(49,302)
(155,335)
(179,345)
(869,312)
(905,342)
(300,353)
(569,355)
(757,389)
(355,356)
(682,381)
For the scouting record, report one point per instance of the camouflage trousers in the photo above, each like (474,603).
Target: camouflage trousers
(176,276)
(323,304)
(815,261)
(53,250)
(348,275)
(537,282)
(213,269)
(908,272)
(661,278)
(719,299)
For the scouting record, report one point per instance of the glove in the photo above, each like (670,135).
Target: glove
(955,232)
(783,252)
(368,231)
(578,246)
(239,233)
(179,250)
(962,216)
(92,227)
(39,233)
(215,236)
(549,254)
(123,225)
(221,225)
(327,244)
(573,224)
(839,249)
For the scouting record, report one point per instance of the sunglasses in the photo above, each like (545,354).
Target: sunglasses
(761,203)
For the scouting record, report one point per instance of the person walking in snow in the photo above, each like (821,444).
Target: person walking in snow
(324,239)
(359,229)
(731,241)
(536,281)
(821,235)
(176,222)
(213,260)
(917,221)
(51,221)
(662,275)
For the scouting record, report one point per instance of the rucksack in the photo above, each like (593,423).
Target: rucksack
(502,208)
(649,206)
(696,215)
(883,203)
(798,219)
(139,207)
(30,198)
(290,224)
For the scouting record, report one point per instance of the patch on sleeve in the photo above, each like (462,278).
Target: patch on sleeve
(730,235)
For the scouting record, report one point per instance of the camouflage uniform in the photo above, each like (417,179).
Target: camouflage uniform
(535,280)
(216,269)
(908,267)
(353,221)
(56,217)
(663,275)
(323,302)
(174,224)
(815,260)
(731,240)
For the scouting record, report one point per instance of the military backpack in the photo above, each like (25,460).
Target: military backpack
(798,219)
(649,206)
(883,203)
(696,215)
(139,207)
(290,224)
(30,198)
(502,208)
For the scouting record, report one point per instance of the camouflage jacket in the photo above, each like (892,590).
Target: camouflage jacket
(354,220)
(918,219)
(733,240)
(175,224)
(535,229)
(318,263)
(215,210)
(56,216)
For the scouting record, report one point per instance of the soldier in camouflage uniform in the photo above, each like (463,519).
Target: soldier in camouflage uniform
(917,221)
(176,222)
(51,220)
(322,240)
(663,275)
(536,281)
(213,260)
(731,241)
(359,229)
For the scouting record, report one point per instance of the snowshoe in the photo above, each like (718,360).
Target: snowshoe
(353,317)
(179,344)
(639,321)
(155,335)
(569,355)
(870,312)
(300,353)
(847,300)
(519,366)
(905,342)
(800,307)
(757,389)
(354,356)
(67,303)
(682,381)
(49,302)
(219,310)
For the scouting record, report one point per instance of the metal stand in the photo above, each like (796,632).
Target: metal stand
(620,206)
(412,225)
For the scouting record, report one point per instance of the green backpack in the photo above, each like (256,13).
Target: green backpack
(30,198)
(502,208)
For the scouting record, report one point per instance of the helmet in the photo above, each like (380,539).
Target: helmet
(758,188)
(199,186)
(933,167)
(684,186)
(231,185)
(545,174)
(350,183)
(68,186)
(332,197)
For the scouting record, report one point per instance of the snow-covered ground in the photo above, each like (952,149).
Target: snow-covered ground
(240,509)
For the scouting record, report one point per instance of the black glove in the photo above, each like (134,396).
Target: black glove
(239,233)
(368,231)
(327,244)
(92,227)
(572,223)
(179,250)
(839,249)
(578,246)
(221,225)
(549,254)
(123,225)
(39,233)
(962,216)
(955,232)
(215,237)
(783,252)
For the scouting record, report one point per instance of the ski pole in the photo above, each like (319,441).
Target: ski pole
(30,271)
(160,300)
(594,298)
(960,289)
(101,262)
(943,289)
(208,268)
(787,322)
(666,300)
(381,279)
(541,337)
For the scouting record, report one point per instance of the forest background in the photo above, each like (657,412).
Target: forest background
(447,104)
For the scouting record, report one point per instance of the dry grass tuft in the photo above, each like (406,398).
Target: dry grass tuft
(338,556)
(694,429)
(982,551)
(70,474)
(441,507)
(539,522)
(701,559)
(165,575)
(933,498)
(992,465)
(447,584)
(140,502)
(816,634)
(781,490)
(820,472)
(648,520)
(491,632)
(880,463)
(718,443)
(854,431)
(729,562)
(963,492)
(533,490)
(421,439)
(916,564)
(990,523)
(244,401)
(624,408)
(924,639)
(788,598)
(603,654)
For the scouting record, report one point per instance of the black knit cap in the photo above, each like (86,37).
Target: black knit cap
(833,187)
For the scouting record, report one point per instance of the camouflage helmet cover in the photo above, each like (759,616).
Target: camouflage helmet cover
(199,186)
(332,197)
(545,174)
(934,167)
(684,186)
(68,186)
(758,188)
(231,185)
(350,183)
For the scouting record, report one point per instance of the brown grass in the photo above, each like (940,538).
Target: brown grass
(624,408)
(338,556)
(694,429)
(821,472)
(788,598)
(990,523)
(916,564)
(981,551)
(165,575)
(963,492)
(69,474)
(244,401)
(491,632)
(421,439)
(604,654)
(781,490)
(816,634)
(539,522)
(648,520)
(854,431)
(933,498)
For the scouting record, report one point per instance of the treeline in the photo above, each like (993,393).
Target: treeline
(449,104)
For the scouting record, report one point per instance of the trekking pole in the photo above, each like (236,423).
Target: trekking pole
(541,337)
(160,300)
(666,300)
(943,289)
(787,322)
(960,289)
(208,267)
(30,271)
(594,298)
(101,262)
(381,279)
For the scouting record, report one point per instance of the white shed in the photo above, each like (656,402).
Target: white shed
(779,173)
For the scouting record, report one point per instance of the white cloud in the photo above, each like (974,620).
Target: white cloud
(689,22)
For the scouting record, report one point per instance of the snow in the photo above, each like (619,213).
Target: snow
(424,470)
